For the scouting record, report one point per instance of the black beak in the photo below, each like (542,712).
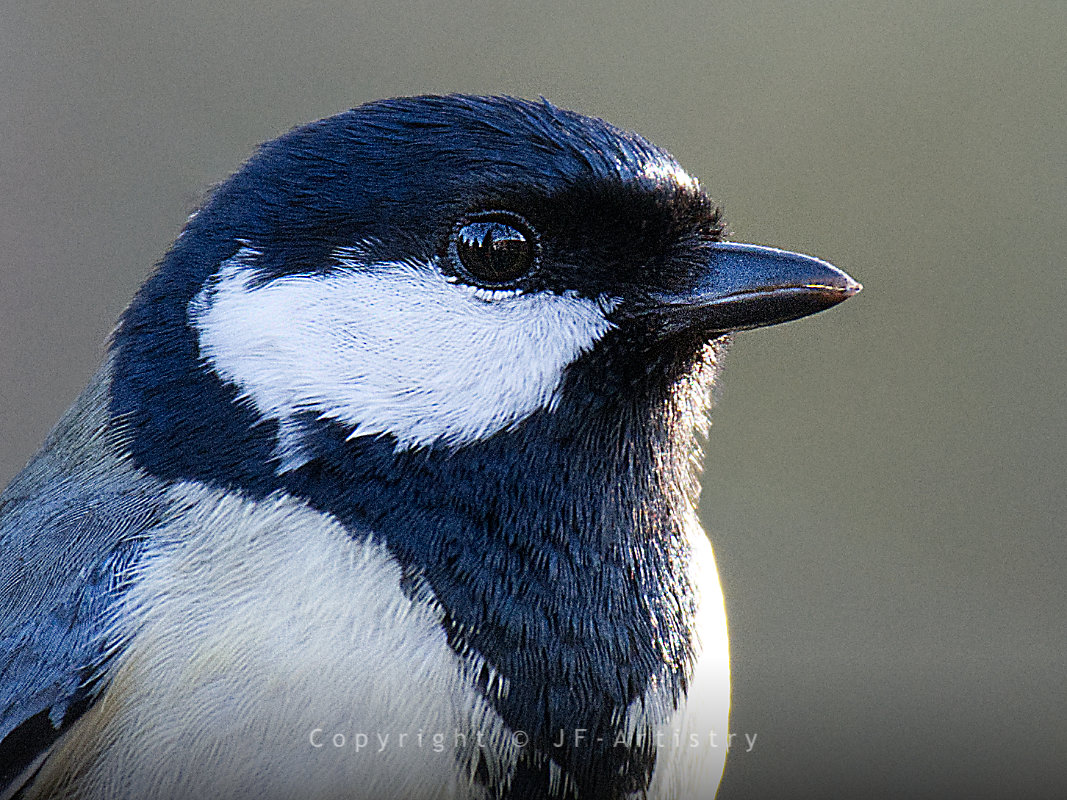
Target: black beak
(749,286)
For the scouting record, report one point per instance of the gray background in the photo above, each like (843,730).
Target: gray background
(885,482)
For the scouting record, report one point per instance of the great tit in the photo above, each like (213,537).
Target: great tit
(387,485)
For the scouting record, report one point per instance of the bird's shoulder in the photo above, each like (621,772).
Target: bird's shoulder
(72,525)
(307,621)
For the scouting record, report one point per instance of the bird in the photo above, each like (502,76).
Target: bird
(387,484)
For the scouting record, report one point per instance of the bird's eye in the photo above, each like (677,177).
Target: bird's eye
(495,251)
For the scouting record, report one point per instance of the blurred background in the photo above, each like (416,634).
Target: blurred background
(885,484)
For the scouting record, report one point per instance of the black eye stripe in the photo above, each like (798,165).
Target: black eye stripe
(496,250)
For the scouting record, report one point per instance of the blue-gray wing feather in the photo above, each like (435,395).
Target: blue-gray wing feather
(72,527)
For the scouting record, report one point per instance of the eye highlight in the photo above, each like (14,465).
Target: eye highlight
(494,251)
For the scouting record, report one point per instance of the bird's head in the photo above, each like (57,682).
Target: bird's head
(482,329)
(430,270)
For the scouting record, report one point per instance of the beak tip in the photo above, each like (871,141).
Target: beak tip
(835,282)
(835,288)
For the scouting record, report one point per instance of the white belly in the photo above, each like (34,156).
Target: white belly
(271,655)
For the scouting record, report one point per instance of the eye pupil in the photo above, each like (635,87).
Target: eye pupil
(494,253)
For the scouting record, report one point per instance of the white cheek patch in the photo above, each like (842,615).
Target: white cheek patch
(389,348)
